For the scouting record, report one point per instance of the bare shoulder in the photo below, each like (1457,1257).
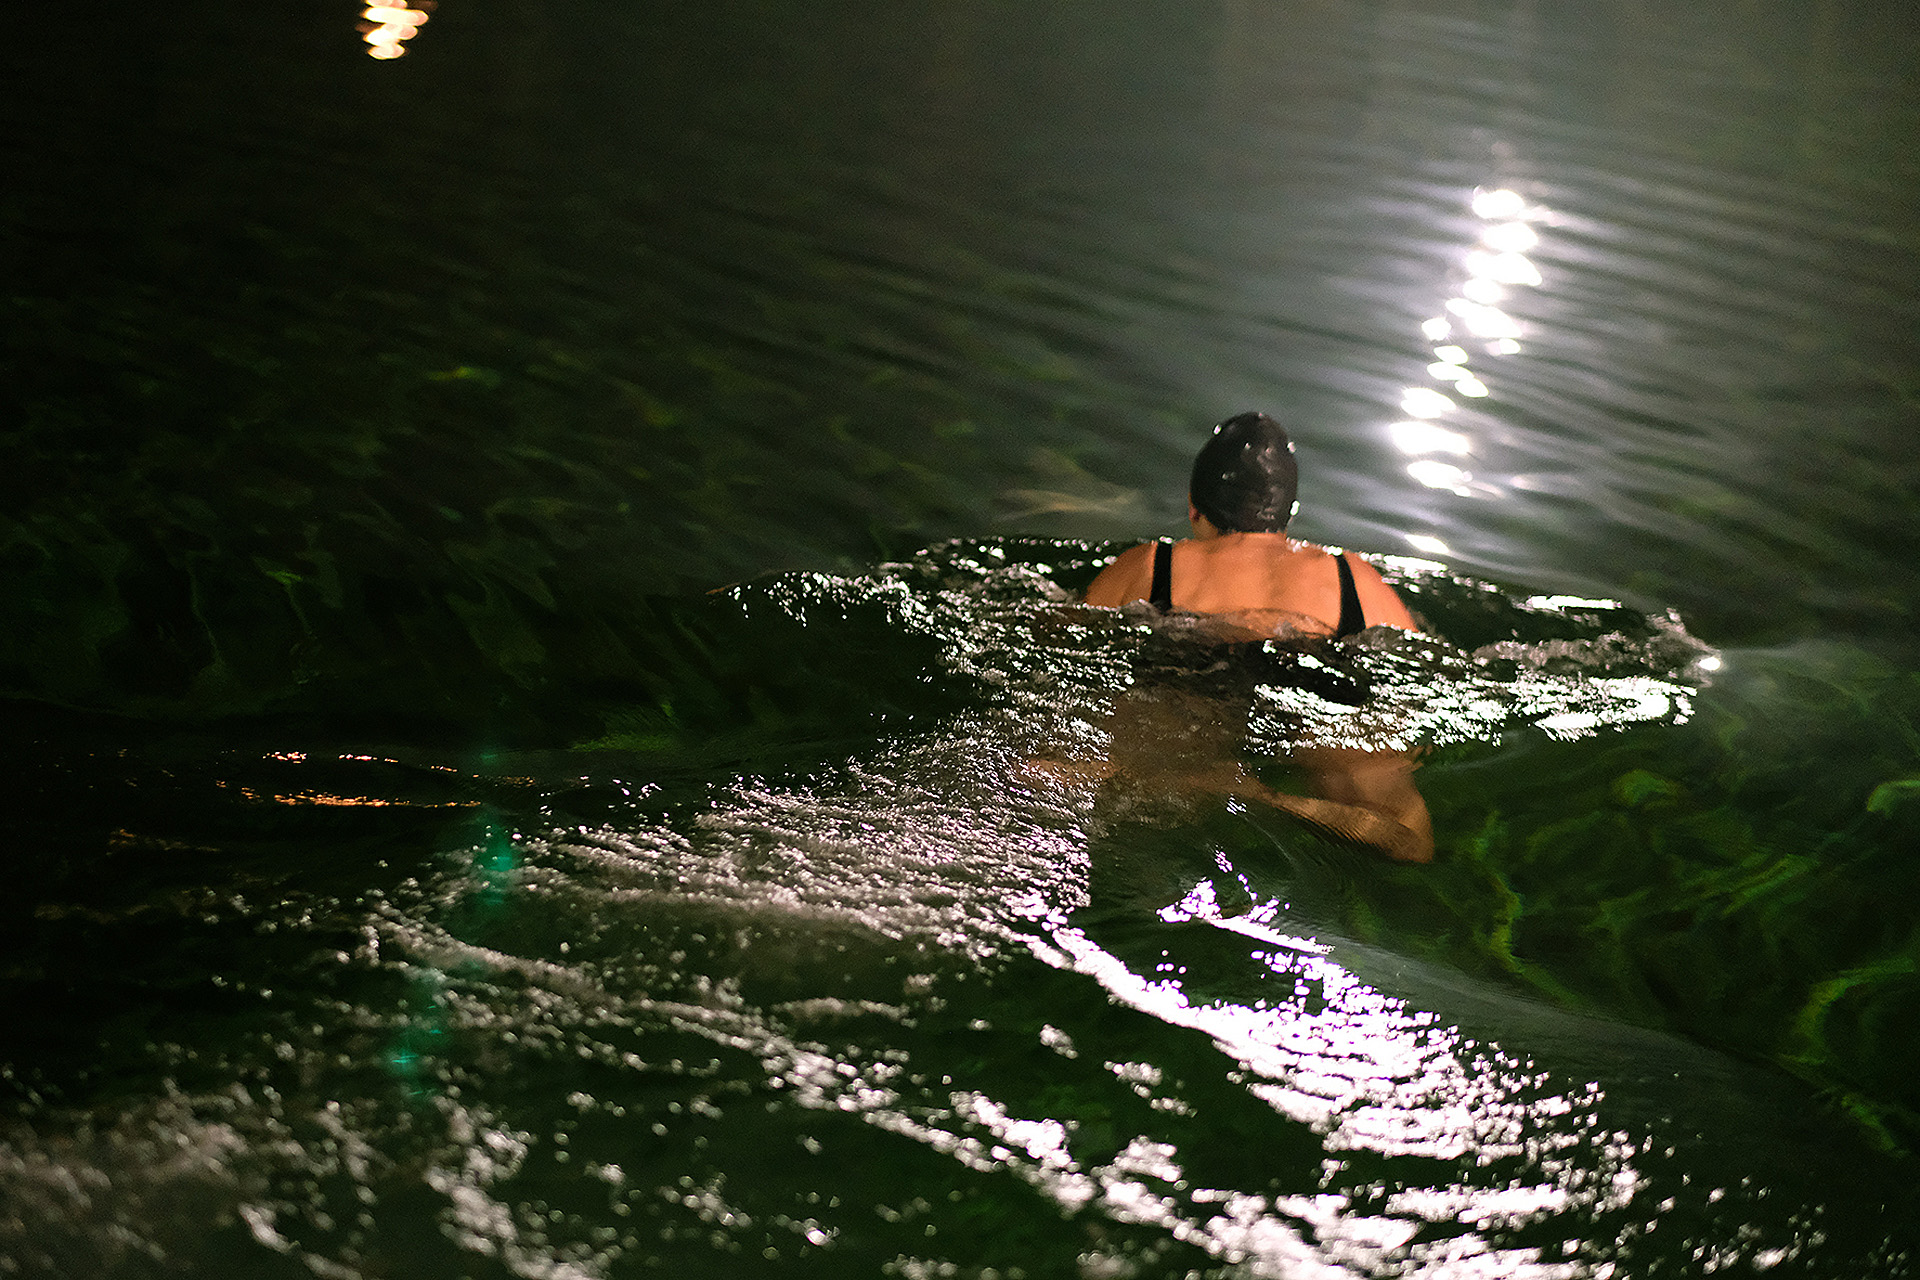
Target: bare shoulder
(1129,577)
(1380,603)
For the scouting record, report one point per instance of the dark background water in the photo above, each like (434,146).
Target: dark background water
(355,402)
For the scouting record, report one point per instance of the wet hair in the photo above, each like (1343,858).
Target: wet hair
(1245,479)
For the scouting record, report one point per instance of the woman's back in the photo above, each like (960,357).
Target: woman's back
(1264,583)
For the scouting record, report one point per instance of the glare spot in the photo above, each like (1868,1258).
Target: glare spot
(1507,268)
(1510,237)
(1482,290)
(1482,320)
(1439,475)
(1473,320)
(1562,603)
(1652,704)
(1425,437)
(1424,402)
(1498,205)
(1428,543)
(1710,663)
(1570,724)
(386,26)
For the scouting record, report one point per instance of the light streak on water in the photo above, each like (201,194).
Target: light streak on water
(1497,264)
(387,27)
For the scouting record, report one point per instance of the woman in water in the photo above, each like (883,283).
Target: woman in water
(1250,582)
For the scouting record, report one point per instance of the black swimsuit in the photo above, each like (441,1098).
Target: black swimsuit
(1229,671)
(1352,620)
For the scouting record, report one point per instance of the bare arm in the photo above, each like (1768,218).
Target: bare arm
(1129,577)
(1380,603)
(1375,783)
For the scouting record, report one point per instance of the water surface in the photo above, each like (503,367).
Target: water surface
(417,871)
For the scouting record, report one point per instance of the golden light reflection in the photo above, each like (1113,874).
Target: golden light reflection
(387,27)
(339,801)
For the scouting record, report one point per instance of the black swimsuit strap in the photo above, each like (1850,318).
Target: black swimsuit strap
(1352,619)
(1162,595)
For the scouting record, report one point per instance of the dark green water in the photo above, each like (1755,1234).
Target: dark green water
(417,869)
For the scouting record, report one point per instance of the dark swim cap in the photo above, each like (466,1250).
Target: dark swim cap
(1245,479)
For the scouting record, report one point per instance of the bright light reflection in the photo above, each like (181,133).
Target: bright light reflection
(1510,237)
(1495,265)
(1483,321)
(1498,205)
(1369,1074)
(1425,437)
(1561,604)
(1516,688)
(1428,543)
(385,27)
(1482,290)
(1569,725)
(1495,1142)
(1440,475)
(1507,268)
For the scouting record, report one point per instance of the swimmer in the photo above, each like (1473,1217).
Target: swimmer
(1242,572)
(1240,564)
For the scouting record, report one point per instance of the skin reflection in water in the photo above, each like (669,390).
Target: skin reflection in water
(1253,583)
